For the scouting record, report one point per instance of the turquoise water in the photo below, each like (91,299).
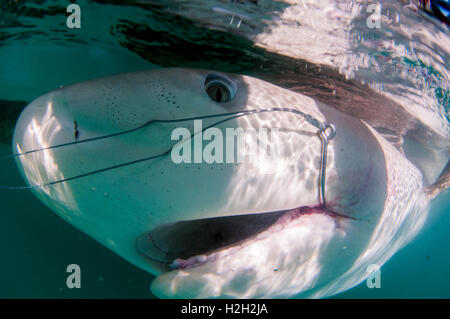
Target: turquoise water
(37,246)
(39,54)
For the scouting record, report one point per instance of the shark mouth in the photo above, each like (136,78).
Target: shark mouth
(188,244)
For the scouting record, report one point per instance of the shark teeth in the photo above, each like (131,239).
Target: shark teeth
(202,259)
(287,219)
(187,263)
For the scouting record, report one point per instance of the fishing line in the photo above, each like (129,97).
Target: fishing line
(323,127)
(309,118)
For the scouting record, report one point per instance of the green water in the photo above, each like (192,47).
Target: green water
(37,246)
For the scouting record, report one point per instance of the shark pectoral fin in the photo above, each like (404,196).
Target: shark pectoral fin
(442,183)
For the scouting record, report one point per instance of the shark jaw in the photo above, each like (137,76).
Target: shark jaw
(202,258)
(274,251)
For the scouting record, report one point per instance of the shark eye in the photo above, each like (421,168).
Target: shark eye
(219,88)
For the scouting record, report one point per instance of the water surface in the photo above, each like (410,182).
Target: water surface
(405,62)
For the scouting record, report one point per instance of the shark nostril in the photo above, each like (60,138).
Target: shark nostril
(76,133)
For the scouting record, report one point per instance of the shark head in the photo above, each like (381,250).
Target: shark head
(210,225)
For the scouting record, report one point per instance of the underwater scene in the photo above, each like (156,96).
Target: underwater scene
(224,149)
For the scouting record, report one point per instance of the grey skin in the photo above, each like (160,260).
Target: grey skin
(375,197)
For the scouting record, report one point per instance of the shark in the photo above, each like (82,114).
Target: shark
(98,153)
